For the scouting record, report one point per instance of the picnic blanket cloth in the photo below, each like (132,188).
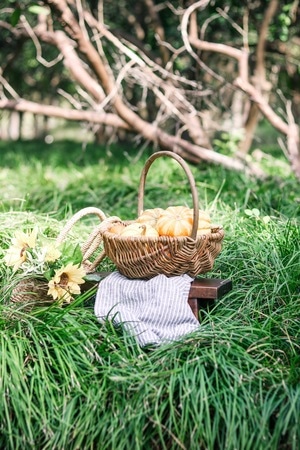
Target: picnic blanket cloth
(155,311)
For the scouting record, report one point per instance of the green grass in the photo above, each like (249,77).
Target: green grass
(69,382)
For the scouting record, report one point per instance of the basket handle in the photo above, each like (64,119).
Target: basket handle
(94,239)
(191,179)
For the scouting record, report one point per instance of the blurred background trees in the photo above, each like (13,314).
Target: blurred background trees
(198,78)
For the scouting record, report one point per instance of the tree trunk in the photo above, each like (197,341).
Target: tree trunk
(259,79)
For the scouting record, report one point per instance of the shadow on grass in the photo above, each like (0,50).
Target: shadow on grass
(62,153)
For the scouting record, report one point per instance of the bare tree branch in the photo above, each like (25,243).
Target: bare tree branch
(255,92)
(22,105)
(121,84)
(259,80)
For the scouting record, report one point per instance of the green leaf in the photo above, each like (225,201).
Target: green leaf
(71,253)
(77,255)
(255,212)
(36,9)
(14,18)
(94,277)
(48,274)
(266,219)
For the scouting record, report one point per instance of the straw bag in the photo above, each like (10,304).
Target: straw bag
(146,257)
(33,291)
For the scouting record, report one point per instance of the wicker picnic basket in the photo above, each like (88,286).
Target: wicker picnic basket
(146,257)
(33,291)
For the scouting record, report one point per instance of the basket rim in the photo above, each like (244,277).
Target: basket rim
(162,238)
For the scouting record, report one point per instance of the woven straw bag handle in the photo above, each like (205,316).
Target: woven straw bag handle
(93,241)
(190,178)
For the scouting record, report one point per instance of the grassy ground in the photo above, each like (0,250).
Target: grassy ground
(68,382)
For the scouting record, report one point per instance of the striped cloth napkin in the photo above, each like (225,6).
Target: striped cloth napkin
(155,311)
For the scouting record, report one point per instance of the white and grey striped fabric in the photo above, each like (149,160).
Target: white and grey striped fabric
(155,311)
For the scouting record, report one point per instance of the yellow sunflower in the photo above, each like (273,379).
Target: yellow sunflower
(24,240)
(66,282)
(16,254)
(52,253)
